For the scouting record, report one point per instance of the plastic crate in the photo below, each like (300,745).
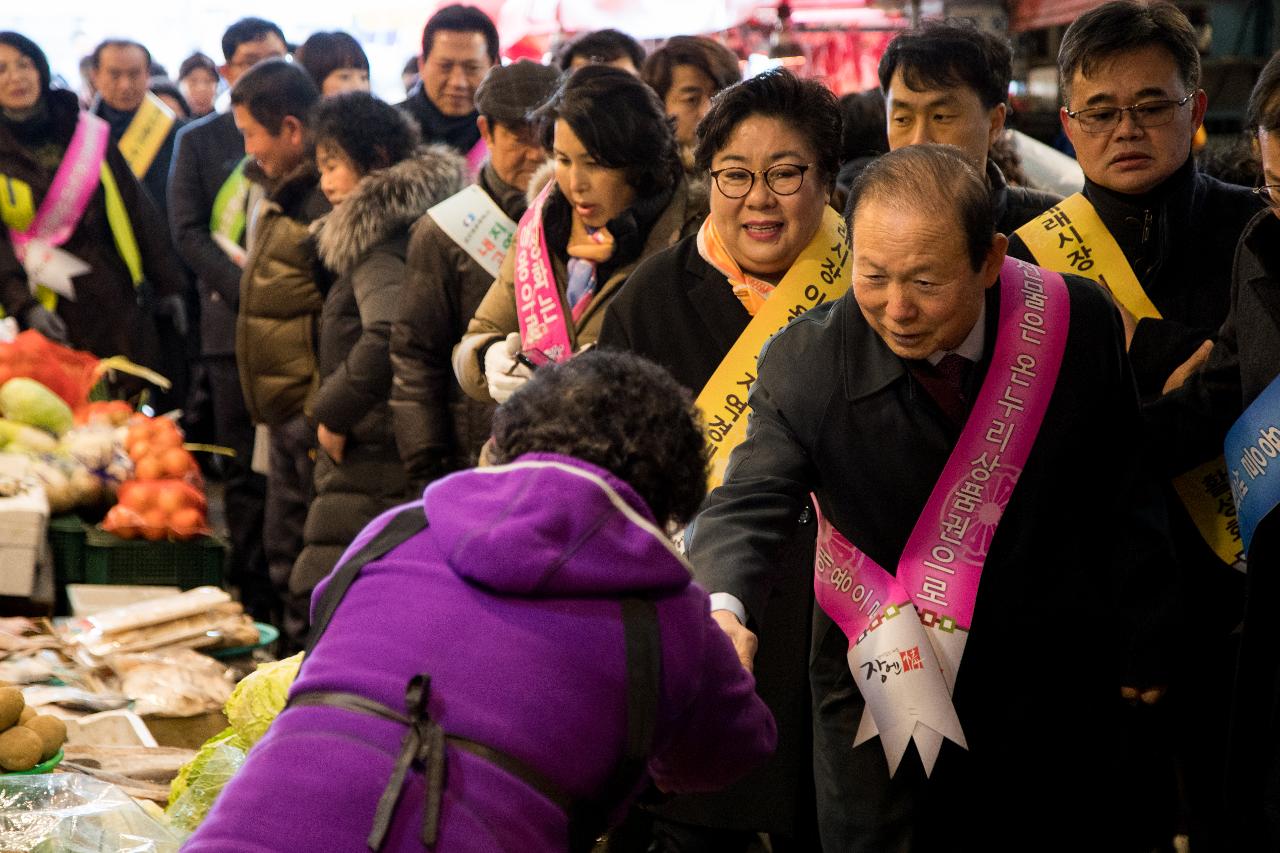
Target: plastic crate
(66,540)
(110,559)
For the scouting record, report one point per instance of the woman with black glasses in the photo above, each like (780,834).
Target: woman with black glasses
(772,147)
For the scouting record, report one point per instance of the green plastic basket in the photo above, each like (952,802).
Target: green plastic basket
(66,539)
(110,559)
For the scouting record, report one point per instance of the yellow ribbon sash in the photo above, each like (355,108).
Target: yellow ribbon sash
(1070,238)
(820,274)
(146,133)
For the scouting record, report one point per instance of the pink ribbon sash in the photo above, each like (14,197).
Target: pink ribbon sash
(906,668)
(73,186)
(544,328)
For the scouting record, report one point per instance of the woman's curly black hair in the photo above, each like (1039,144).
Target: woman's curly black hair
(620,412)
(370,132)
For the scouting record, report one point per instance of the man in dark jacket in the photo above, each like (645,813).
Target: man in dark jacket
(141,124)
(1131,76)
(854,404)
(947,82)
(438,428)
(281,296)
(143,129)
(459,45)
(208,211)
(1189,425)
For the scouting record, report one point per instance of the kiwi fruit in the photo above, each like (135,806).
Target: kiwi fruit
(52,732)
(11,705)
(27,713)
(20,748)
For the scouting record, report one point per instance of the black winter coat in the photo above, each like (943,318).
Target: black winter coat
(363,243)
(106,318)
(206,152)
(1189,426)
(679,311)
(1179,239)
(439,428)
(156,179)
(1064,613)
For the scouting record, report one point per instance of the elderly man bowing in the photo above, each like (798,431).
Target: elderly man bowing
(989,547)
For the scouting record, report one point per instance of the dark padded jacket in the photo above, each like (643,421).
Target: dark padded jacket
(439,428)
(363,243)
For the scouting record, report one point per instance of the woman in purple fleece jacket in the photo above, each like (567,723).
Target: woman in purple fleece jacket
(510,599)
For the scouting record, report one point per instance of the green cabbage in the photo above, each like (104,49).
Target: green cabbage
(199,782)
(27,401)
(260,697)
(257,700)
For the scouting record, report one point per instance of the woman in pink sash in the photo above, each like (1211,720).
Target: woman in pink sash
(38,129)
(619,196)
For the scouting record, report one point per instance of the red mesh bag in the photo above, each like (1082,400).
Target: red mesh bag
(69,373)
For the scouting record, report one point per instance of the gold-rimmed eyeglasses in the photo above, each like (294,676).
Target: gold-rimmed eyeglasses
(1145,114)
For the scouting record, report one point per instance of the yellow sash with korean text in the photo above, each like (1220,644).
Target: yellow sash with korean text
(820,274)
(1070,237)
(146,133)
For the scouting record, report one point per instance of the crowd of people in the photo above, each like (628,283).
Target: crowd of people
(507,366)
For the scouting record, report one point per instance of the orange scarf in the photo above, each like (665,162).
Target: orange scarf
(751,292)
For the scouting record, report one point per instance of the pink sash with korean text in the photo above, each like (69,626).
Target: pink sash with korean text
(73,186)
(544,328)
(906,667)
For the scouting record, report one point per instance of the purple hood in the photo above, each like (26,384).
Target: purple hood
(548,526)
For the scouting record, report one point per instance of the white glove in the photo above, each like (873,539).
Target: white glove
(501,370)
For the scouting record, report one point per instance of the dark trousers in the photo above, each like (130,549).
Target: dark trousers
(289,493)
(244,492)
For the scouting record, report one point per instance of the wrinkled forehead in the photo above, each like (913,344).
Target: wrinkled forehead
(1127,77)
(889,226)
(129,57)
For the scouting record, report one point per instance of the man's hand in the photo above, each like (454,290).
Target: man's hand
(744,642)
(1183,371)
(334,443)
(1147,695)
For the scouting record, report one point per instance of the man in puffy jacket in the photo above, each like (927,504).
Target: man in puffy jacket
(281,294)
(438,428)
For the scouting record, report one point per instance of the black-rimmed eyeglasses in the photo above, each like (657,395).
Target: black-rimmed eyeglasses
(1270,194)
(782,179)
(1145,114)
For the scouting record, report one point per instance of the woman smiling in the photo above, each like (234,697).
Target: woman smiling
(619,196)
(771,145)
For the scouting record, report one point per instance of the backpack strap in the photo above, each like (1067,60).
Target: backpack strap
(406,524)
(589,819)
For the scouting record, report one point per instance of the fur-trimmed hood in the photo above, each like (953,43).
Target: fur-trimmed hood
(386,203)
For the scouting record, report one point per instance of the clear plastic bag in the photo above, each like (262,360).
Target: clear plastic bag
(69,813)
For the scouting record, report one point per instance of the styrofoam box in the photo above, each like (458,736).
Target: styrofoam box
(87,599)
(24,521)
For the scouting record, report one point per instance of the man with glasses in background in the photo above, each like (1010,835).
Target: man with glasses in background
(1160,236)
